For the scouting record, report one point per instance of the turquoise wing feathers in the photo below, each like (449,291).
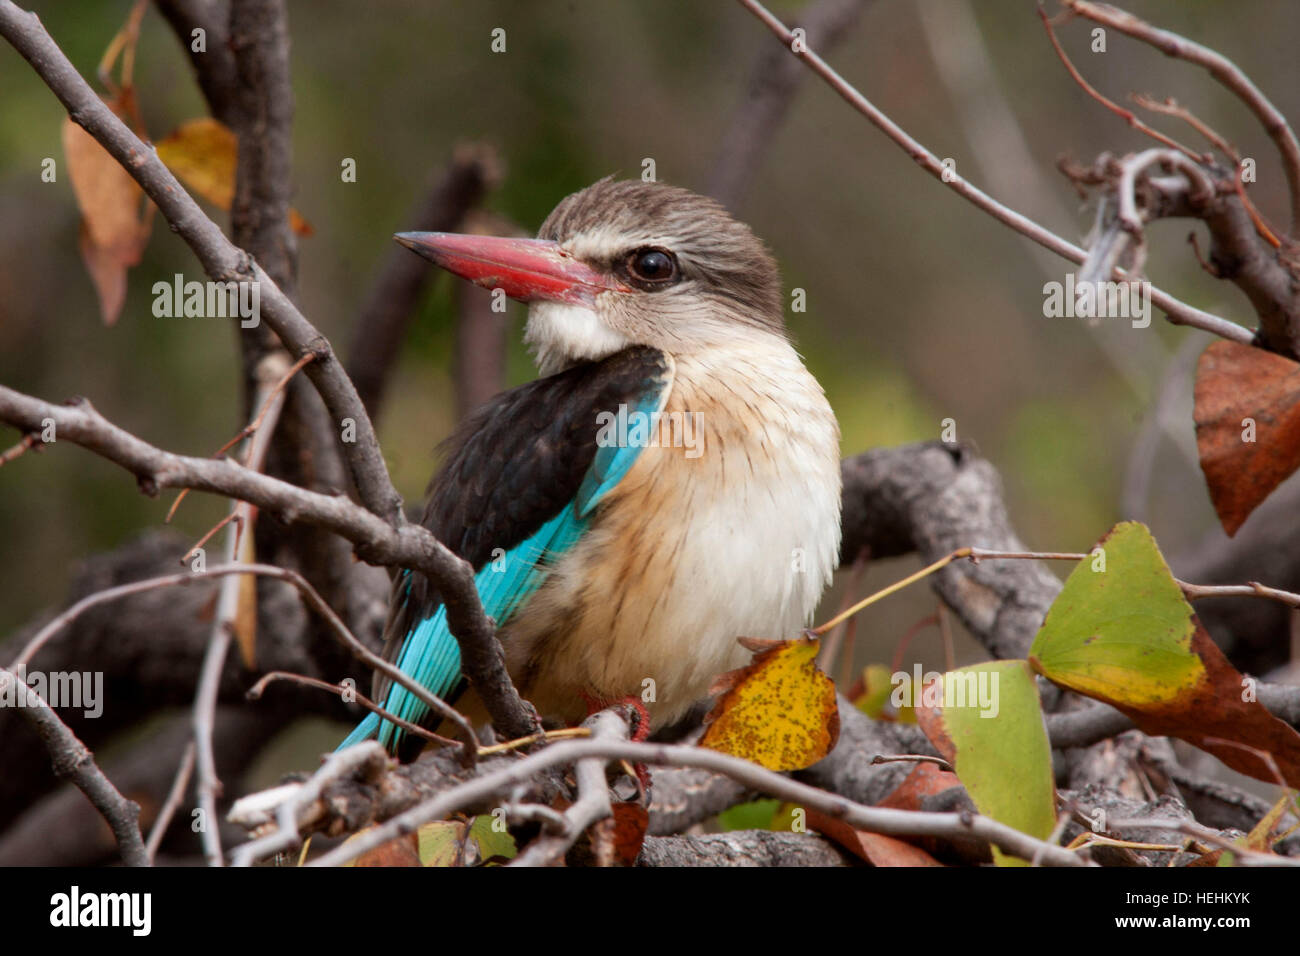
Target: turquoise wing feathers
(520,487)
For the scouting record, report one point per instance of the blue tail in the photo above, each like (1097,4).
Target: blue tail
(431,656)
(364,731)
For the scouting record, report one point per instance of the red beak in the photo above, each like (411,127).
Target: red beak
(526,269)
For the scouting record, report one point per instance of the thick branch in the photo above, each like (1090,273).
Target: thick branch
(214,65)
(743,848)
(74,761)
(933,499)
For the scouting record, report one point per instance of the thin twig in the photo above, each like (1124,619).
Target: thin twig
(268,399)
(1179,313)
(593,803)
(1131,166)
(1244,855)
(546,735)
(347,692)
(310,595)
(912,758)
(1170,107)
(24,444)
(232,515)
(1196,592)
(1219,67)
(1127,115)
(208,785)
(173,801)
(366,758)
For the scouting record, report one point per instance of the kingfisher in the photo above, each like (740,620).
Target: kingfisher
(669,484)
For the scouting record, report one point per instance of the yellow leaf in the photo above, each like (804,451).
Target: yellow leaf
(442,843)
(203,154)
(780,711)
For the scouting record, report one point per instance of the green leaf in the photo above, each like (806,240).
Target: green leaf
(492,842)
(988,723)
(1123,632)
(441,843)
(755,815)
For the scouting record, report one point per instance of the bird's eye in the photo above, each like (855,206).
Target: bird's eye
(656,266)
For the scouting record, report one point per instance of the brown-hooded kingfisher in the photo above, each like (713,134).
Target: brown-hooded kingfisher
(669,484)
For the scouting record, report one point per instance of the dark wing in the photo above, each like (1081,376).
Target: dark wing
(518,486)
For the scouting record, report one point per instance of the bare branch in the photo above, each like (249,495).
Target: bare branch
(1244,855)
(375,541)
(270,370)
(1127,115)
(773,82)
(743,848)
(367,758)
(255,693)
(1219,67)
(214,66)
(221,259)
(934,498)
(1179,313)
(593,802)
(877,819)
(74,761)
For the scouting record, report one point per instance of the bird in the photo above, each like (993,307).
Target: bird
(669,484)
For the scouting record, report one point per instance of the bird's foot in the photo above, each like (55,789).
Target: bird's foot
(633,710)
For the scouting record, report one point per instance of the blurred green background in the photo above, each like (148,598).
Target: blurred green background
(920,307)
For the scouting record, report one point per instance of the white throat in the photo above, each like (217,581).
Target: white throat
(561,335)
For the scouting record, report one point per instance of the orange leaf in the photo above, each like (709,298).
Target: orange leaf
(245,623)
(875,848)
(402,851)
(1236,382)
(925,780)
(780,711)
(114,232)
(203,154)
(1214,716)
(629,825)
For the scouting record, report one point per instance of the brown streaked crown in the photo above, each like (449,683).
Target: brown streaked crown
(718,256)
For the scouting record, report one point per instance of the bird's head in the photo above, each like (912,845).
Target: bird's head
(624,263)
